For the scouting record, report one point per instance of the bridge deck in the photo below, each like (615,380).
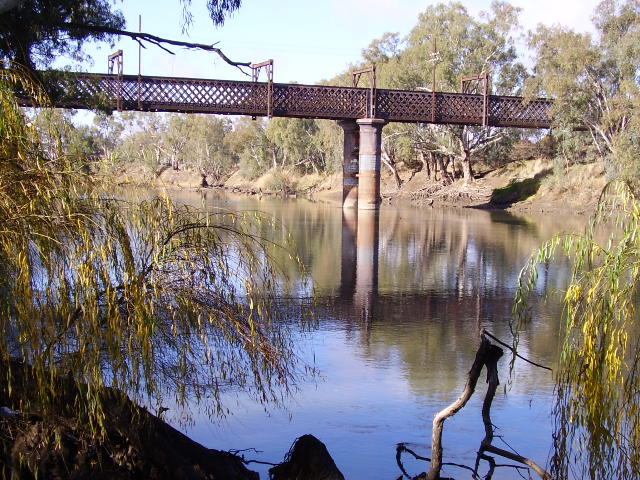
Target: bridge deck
(166,94)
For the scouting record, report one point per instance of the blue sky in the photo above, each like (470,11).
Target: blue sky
(308,40)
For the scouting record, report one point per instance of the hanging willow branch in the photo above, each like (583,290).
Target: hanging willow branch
(597,385)
(150,298)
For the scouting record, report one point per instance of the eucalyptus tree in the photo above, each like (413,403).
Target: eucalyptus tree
(298,143)
(107,131)
(329,141)
(249,142)
(450,40)
(138,138)
(595,81)
(207,150)
(60,137)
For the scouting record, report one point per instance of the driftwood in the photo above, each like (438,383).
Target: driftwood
(485,351)
(486,356)
(486,446)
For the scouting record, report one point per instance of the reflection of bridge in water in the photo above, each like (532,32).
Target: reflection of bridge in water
(361,112)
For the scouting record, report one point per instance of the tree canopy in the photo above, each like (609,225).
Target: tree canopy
(595,82)
(450,40)
(60,28)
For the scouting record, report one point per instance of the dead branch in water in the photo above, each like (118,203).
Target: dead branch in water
(487,355)
(486,352)
(492,379)
(488,334)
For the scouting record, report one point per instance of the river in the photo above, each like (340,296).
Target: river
(400,297)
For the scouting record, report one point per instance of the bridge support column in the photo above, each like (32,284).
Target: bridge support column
(350,163)
(369,163)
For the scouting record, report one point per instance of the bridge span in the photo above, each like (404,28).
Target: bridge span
(361,112)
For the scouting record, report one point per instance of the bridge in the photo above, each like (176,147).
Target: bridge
(361,112)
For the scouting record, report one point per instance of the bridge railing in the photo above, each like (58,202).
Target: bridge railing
(166,94)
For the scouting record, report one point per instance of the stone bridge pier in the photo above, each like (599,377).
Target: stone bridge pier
(361,163)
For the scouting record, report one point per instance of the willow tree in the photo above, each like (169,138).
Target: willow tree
(156,300)
(597,421)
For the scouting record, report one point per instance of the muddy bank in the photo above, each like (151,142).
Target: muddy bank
(57,442)
(527,186)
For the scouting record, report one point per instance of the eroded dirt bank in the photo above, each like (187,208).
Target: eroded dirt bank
(530,186)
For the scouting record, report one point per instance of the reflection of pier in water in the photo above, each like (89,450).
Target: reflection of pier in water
(417,287)
(444,264)
(359,268)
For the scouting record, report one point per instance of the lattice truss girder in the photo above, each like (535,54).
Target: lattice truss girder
(291,100)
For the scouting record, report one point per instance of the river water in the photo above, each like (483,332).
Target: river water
(400,298)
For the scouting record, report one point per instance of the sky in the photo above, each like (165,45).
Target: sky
(308,40)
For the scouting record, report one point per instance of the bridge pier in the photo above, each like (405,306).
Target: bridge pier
(369,163)
(351,132)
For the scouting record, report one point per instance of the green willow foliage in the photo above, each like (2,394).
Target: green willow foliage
(597,410)
(151,298)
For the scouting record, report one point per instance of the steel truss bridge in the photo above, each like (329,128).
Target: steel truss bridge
(191,95)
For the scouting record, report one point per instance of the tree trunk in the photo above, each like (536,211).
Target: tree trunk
(467,172)
(443,168)
(425,163)
(386,159)
(438,420)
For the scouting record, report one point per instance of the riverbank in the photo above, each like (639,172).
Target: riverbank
(529,186)
(55,442)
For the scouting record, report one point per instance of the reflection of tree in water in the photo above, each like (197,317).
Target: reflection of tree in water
(440,274)
(443,275)
(435,279)
(450,250)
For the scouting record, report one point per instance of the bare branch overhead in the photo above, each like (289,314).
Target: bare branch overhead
(156,40)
